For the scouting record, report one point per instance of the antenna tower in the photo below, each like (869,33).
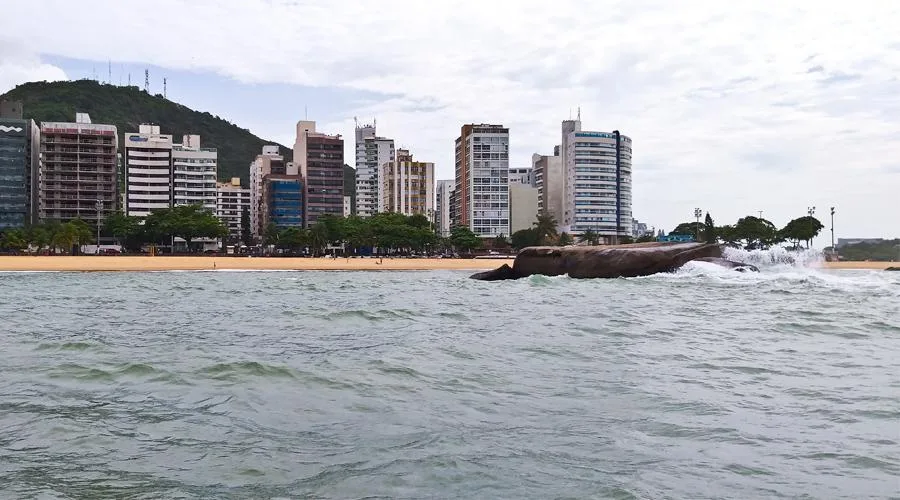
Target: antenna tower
(164,87)
(109,71)
(147,81)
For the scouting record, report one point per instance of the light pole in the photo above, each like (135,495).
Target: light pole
(697,213)
(833,251)
(99,206)
(811,211)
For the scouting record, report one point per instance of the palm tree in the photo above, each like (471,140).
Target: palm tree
(318,238)
(590,237)
(545,228)
(564,239)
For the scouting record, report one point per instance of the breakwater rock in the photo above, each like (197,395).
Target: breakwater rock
(617,261)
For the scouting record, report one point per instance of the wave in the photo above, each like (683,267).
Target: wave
(777,257)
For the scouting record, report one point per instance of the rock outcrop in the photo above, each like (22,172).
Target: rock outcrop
(737,266)
(624,261)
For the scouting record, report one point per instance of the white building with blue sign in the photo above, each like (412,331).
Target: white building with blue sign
(597,193)
(148,171)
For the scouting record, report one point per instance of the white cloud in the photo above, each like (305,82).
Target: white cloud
(733,107)
(19,65)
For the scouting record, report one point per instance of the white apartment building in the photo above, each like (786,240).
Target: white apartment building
(598,181)
(194,171)
(443,190)
(231,201)
(148,171)
(269,162)
(371,153)
(482,179)
(550,181)
(408,186)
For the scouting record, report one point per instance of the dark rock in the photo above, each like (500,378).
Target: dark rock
(503,272)
(624,261)
(892,268)
(737,266)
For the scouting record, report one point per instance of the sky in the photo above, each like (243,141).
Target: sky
(733,108)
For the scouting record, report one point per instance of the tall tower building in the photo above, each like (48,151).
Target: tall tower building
(408,186)
(231,201)
(194,171)
(598,181)
(320,160)
(482,179)
(371,153)
(443,191)
(269,162)
(148,171)
(78,171)
(20,153)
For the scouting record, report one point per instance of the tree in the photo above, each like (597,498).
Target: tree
(65,236)
(545,228)
(801,229)
(590,237)
(126,229)
(687,229)
(462,238)
(524,238)
(756,233)
(626,240)
(709,230)
(501,242)
(246,233)
(564,239)
(318,238)
(13,240)
(270,235)
(292,239)
(646,238)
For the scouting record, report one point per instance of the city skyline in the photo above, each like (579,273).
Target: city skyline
(736,108)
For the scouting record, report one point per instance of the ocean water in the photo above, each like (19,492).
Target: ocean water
(706,383)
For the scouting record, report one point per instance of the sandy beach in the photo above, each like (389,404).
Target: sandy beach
(145,263)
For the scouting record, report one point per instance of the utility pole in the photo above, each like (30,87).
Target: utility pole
(811,211)
(99,206)
(697,214)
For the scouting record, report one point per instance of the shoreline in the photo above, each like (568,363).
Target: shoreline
(108,263)
(138,263)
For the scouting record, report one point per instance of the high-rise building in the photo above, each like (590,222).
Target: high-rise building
(232,200)
(371,153)
(269,162)
(78,171)
(283,196)
(442,205)
(482,179)
(598,181)
(20,153)
(408,186)
(523,206)
(320,159)
(148,171)
(194,171)
(550,181)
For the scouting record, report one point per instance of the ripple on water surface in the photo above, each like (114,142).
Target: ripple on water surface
(704,383)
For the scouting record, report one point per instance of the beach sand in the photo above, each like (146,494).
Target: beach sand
(146,263)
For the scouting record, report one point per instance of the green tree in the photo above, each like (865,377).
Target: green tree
(65,236)
(246,232)
(757,233)
(463,239)
(13,240)
(590,237)
(501,242)
(646,238)
(318,238)
(525,238)
(564,239)
(545,228)
(801,229)
(126,229)
(688,229)
(292,239)
(709,230)
(271,234)
(626,240)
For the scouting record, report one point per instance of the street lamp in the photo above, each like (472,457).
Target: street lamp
(833,251)
(697,213)
(99,206)
(811,211)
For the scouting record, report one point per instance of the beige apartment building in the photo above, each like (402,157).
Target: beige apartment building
(408,186)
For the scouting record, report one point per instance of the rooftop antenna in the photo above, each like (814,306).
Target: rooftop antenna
(147,80)
(109,71)
(305,113)
(355,122)
(579,113)
(129,79)
(94,73)
(164,87)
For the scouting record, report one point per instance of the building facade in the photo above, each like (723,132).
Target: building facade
(598,181)
(482,179)
(372,152)
(148,171)
(443,191)
(20,154)
(550,181)
(232,200)
(194,171)
(408,186)
(523,206)
(522,175)
(78,178)
(284,203)
(269,162)
(320,159)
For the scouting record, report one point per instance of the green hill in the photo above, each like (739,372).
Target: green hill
(128,107)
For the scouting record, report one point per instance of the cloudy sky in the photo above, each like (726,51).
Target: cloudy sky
(733,108)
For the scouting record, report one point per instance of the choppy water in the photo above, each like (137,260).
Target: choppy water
(702,384)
